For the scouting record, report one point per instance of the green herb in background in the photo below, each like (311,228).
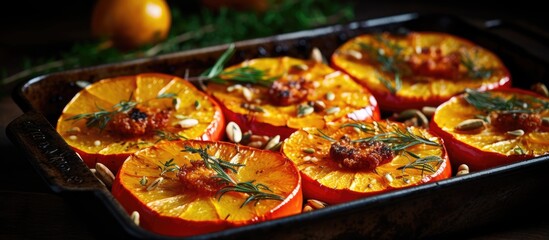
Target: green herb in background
(205,28)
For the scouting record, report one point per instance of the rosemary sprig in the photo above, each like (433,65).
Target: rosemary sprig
(173,96)
(242,74)
(255,192)
(100,118)
(389,63)
(486,102)
(473,71)
(422,163)
(169,136)
(168,166)
(397,140)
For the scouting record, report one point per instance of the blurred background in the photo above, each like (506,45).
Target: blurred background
(38,37)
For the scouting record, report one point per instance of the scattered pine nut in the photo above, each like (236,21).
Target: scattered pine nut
(316,204)
(330,96)
(135,217)
(104,174)
(188,123)
(428,111)
(518,132)
(355,54)
(462,170)
(307,208)
(316,55)
(233,132)
(470,125)
(388,177)
(155,183)
(270,145)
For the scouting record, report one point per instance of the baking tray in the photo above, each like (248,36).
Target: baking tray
(449,207)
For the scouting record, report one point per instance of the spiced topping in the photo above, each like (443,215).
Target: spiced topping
(285,92)
(197,177)
(139,121)
(360,155)
(431,62)
(509,121)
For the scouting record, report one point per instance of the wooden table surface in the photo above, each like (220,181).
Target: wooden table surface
(30,210)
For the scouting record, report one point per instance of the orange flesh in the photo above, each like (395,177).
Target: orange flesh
(352,99)
(490,140)
(96,145)
(174,210)
(417,90)
(332,183)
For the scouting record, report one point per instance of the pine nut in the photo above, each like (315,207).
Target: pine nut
(233,132)
(319,106)
(248,94)
(333,110)
(316,55)
(470,125)
(428,111)
(135,217)
(104,174)
(155,184)
(518,132)
(316,204)
(330,96)
(355,54)
(307,208)
(462,169)
(188,123)
(272,142)
(255,144)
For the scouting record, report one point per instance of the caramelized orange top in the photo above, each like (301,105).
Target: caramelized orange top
(174,201)
(511,123)
(300,94)
(117,116)
(331,168)
(419,68)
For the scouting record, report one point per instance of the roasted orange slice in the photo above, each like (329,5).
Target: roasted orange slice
(485,129)
(352,160)
(283,94)
(184,188)
(410,71)
(112,118)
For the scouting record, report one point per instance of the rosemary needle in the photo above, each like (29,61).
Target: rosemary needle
(255,192)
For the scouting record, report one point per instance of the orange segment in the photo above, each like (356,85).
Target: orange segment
(148,91)
(432,67)
(172,209)
(491,146)
(327,180)
(350,99)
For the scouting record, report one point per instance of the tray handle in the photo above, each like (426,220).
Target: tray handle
(50,155)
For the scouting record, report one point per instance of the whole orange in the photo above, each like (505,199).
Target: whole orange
(131,24)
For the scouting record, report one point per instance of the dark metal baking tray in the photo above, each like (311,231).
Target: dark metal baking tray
(444,208)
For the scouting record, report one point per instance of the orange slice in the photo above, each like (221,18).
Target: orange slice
(511,125)
(419,68)
(112,118)
(303,94)
(191,205)
(396,157)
